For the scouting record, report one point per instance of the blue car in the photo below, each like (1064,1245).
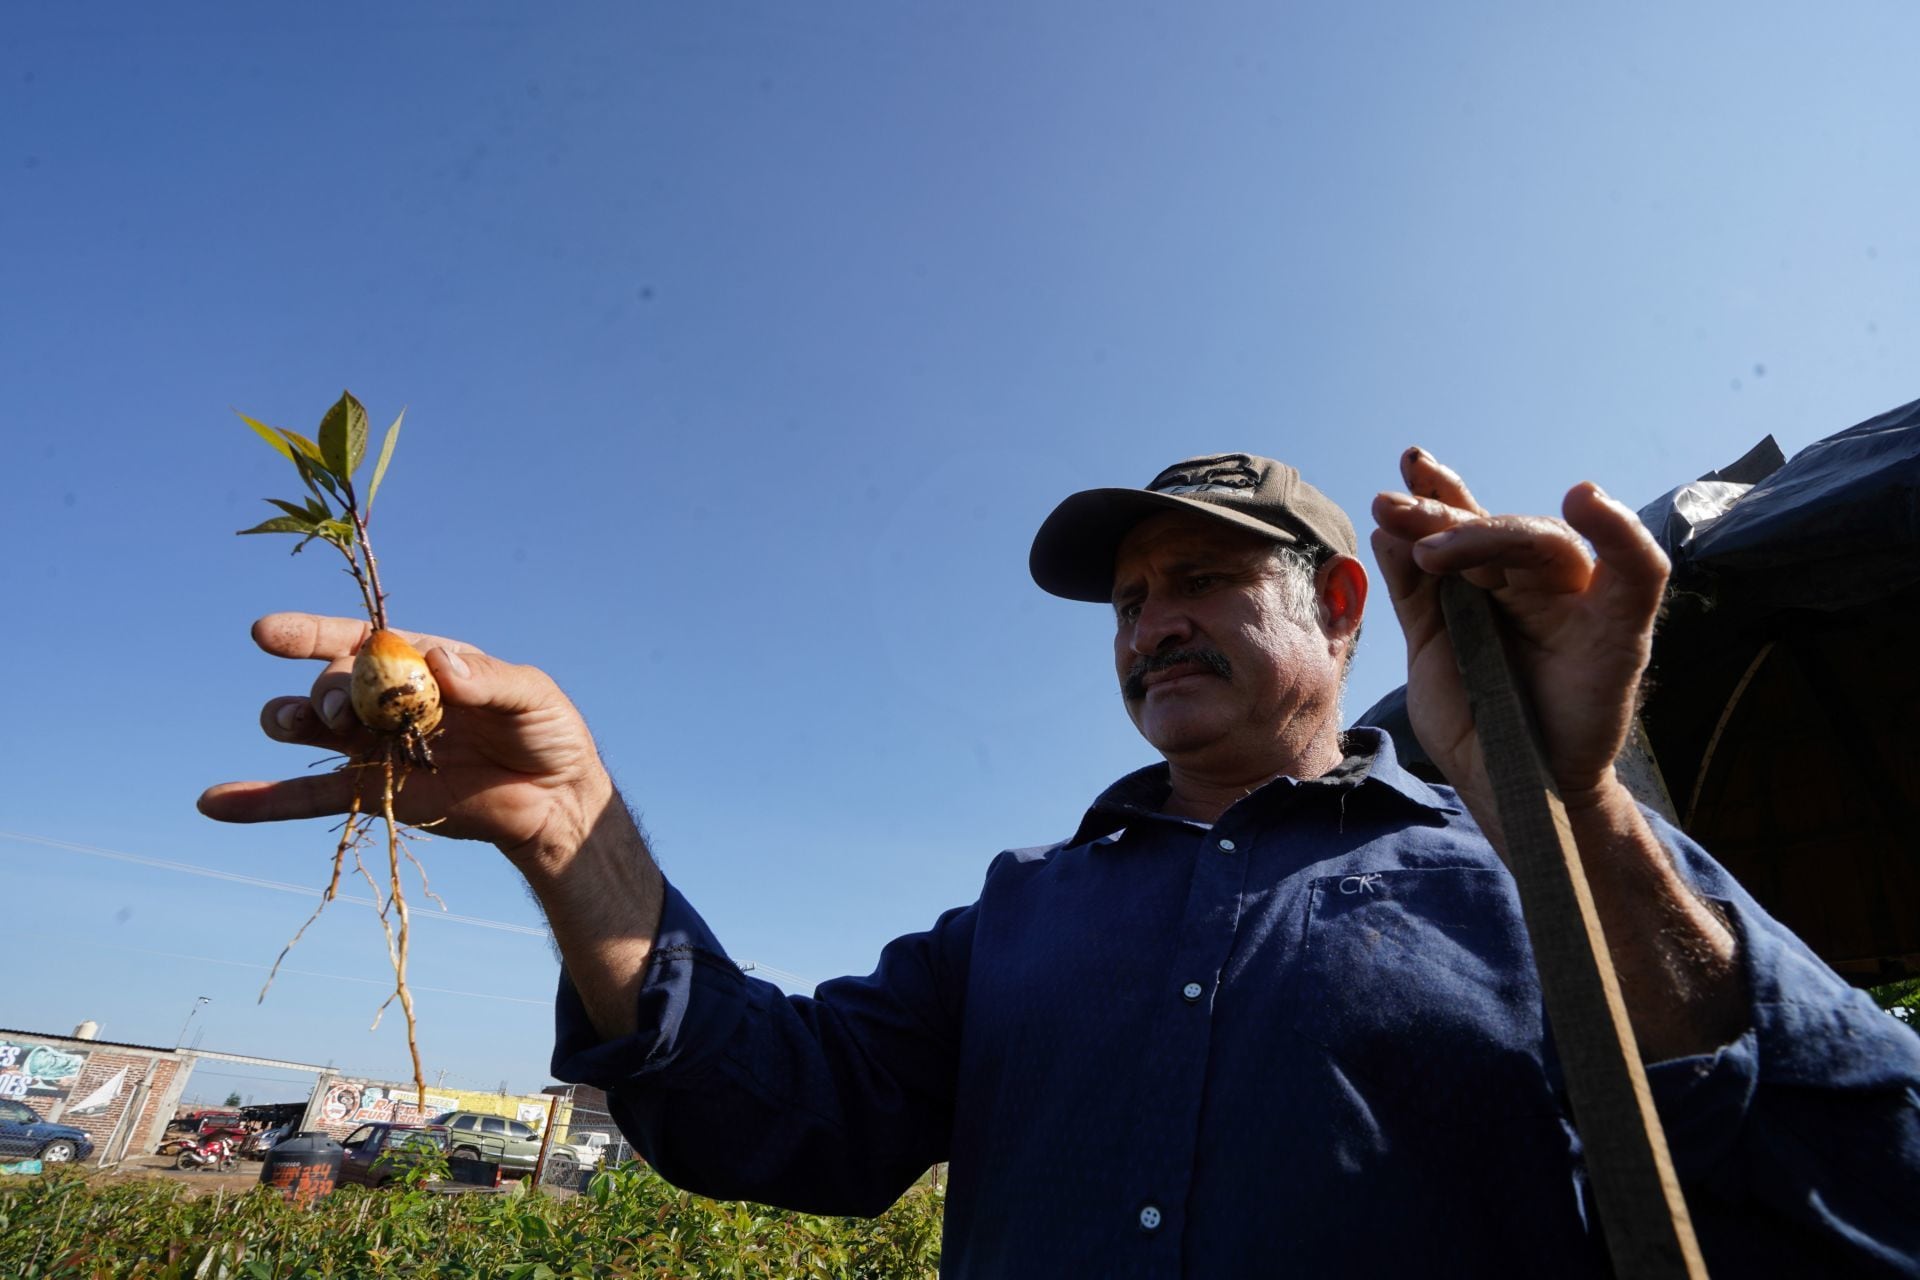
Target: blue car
(25,1136)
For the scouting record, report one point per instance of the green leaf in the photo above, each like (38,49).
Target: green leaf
(301,444)
(267,433)
(283,524)
(343,436)
(300,513)
(336,531)
(318,509)
(316,476)
(386,455)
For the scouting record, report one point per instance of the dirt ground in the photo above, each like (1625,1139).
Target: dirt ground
(204,1182)
(198,1181)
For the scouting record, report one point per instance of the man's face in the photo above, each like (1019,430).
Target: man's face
(1220,667)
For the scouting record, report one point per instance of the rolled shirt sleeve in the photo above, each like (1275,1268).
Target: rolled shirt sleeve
(690,1002)
(828,1104)
(1808,1122)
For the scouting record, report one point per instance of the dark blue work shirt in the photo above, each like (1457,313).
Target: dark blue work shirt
(1306,1040)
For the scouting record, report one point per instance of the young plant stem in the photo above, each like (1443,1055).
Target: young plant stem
(360,580)
(368,580)
(377,609)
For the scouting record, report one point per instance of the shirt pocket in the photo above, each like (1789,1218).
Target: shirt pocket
(1420,984)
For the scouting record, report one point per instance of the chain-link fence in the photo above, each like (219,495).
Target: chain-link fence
(585,1140)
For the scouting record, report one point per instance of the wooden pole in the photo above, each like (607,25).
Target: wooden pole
(1644,1217)
(546,1141)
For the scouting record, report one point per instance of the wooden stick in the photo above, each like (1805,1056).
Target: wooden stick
(1642,1212)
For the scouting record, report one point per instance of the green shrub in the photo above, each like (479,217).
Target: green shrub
(1901,999)
(629,1223)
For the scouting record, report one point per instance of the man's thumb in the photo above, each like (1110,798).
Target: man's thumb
(476,680)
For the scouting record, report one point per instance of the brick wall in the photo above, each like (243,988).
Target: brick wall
(102,1065)
(160,1071)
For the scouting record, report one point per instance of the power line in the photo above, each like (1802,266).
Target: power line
(257,882)
(792,981)
(785,977)
(310,973)
(238,1075)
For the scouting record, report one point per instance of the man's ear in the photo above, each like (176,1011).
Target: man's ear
(1341,586)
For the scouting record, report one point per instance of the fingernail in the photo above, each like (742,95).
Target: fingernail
(286,715)
(1394,498)
(454,664)
(332,703)
(1440,539)
(1598,492)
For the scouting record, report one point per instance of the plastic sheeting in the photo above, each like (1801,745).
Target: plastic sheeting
(1838,526)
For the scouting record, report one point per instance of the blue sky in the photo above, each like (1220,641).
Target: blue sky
(743,349)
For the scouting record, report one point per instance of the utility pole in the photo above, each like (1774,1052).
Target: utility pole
(181,1038)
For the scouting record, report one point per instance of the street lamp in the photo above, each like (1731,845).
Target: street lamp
(182,1037)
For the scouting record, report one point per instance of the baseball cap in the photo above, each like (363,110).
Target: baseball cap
(1073,552)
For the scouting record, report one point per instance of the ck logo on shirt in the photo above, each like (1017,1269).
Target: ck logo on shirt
(1368,883)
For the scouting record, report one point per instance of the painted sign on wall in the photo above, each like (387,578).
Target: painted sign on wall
(37,1072)
(339,1105)
(350,1102)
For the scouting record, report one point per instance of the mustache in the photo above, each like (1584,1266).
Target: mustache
(1134,687)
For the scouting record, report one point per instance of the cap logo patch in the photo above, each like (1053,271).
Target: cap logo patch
(1199,488)
(1227,476)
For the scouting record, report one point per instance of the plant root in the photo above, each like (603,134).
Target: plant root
(393,761)
(349,834)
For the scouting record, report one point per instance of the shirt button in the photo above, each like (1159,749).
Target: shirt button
(1226,846)
(1150,1217)
(1191,991)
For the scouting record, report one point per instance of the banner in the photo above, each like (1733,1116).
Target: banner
(350,1102)
(38,1072)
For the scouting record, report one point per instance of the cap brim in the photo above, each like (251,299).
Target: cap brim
(1073,553)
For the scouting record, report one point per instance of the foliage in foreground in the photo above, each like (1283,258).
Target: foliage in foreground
(1901,999)
(630,1223)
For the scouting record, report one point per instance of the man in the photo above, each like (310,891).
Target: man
(1272,1007)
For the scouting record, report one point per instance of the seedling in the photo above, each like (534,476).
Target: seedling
(393,693)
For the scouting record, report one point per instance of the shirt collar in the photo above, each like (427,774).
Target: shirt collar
(1369,766)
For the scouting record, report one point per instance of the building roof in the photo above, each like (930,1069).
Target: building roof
(71,1039)
(213,1054)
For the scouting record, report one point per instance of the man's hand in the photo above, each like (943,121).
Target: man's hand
(516,765)
(1581,628)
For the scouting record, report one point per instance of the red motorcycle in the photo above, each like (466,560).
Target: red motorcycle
(217,1150)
